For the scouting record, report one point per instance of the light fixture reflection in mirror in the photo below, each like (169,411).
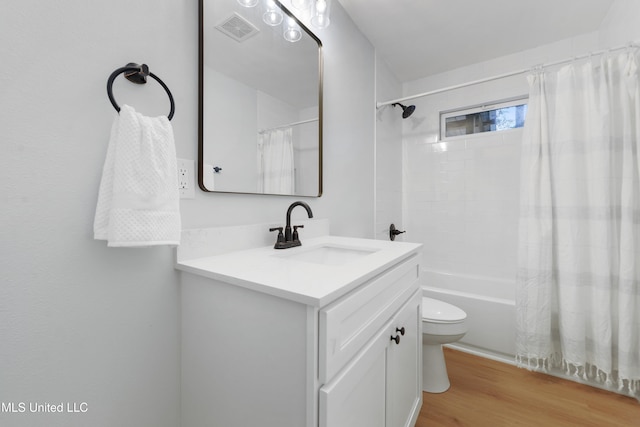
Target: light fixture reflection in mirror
(320,17)
(248,3)
(273,15)
(292,32)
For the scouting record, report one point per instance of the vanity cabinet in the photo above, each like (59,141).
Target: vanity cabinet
(251,357)
(380,386)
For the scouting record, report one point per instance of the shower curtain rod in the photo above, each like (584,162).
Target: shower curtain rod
(501,76)
(288,125)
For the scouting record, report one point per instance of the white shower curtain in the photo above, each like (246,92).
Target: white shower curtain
(578,280)
(275,162)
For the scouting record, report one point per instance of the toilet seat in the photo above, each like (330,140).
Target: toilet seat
(436,311)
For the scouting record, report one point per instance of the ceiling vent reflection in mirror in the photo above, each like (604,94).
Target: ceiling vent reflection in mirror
(237,28)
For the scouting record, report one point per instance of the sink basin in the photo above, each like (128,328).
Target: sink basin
(328,254)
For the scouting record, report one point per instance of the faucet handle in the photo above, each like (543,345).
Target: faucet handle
(280,235)
(295,232)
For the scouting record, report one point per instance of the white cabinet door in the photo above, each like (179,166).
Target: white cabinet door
(356,396)
(347,325)
(404,362)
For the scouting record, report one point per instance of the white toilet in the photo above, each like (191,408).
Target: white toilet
(442,323)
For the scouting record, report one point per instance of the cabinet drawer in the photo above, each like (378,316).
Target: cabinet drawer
(347,325)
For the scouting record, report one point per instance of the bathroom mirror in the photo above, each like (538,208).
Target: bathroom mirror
(260,100)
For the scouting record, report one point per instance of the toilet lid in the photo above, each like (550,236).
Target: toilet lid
(433,309)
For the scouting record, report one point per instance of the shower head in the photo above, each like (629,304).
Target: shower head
(406,111)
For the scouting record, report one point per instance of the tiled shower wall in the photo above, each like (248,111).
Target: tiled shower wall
(461,194)
(462,202)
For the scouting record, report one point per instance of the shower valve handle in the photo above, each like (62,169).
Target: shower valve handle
(393,232)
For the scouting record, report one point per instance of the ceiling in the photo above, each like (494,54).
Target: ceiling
(419,38)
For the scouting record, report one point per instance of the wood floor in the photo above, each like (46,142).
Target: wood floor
(486,393)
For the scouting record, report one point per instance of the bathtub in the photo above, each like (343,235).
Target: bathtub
(490,306)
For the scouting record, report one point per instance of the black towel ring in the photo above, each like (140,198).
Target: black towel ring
(137,74)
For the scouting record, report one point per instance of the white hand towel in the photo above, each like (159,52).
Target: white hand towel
(138,200)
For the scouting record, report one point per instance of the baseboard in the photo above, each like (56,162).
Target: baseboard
(499,357)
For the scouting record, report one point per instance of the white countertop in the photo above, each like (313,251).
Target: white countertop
(278,273)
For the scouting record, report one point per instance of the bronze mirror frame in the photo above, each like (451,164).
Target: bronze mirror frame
(201,104)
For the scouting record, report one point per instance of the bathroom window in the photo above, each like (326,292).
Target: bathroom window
(489,117)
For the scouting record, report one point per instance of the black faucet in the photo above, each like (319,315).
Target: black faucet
(290,239)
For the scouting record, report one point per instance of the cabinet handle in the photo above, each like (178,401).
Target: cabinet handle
(401,330)
(396,339)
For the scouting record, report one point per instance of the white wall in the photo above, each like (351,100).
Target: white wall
(388,154)
(80,322)
(620,26)
(226,98)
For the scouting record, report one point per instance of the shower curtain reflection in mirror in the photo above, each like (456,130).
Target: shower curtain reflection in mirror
(275,162)
(578,281)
